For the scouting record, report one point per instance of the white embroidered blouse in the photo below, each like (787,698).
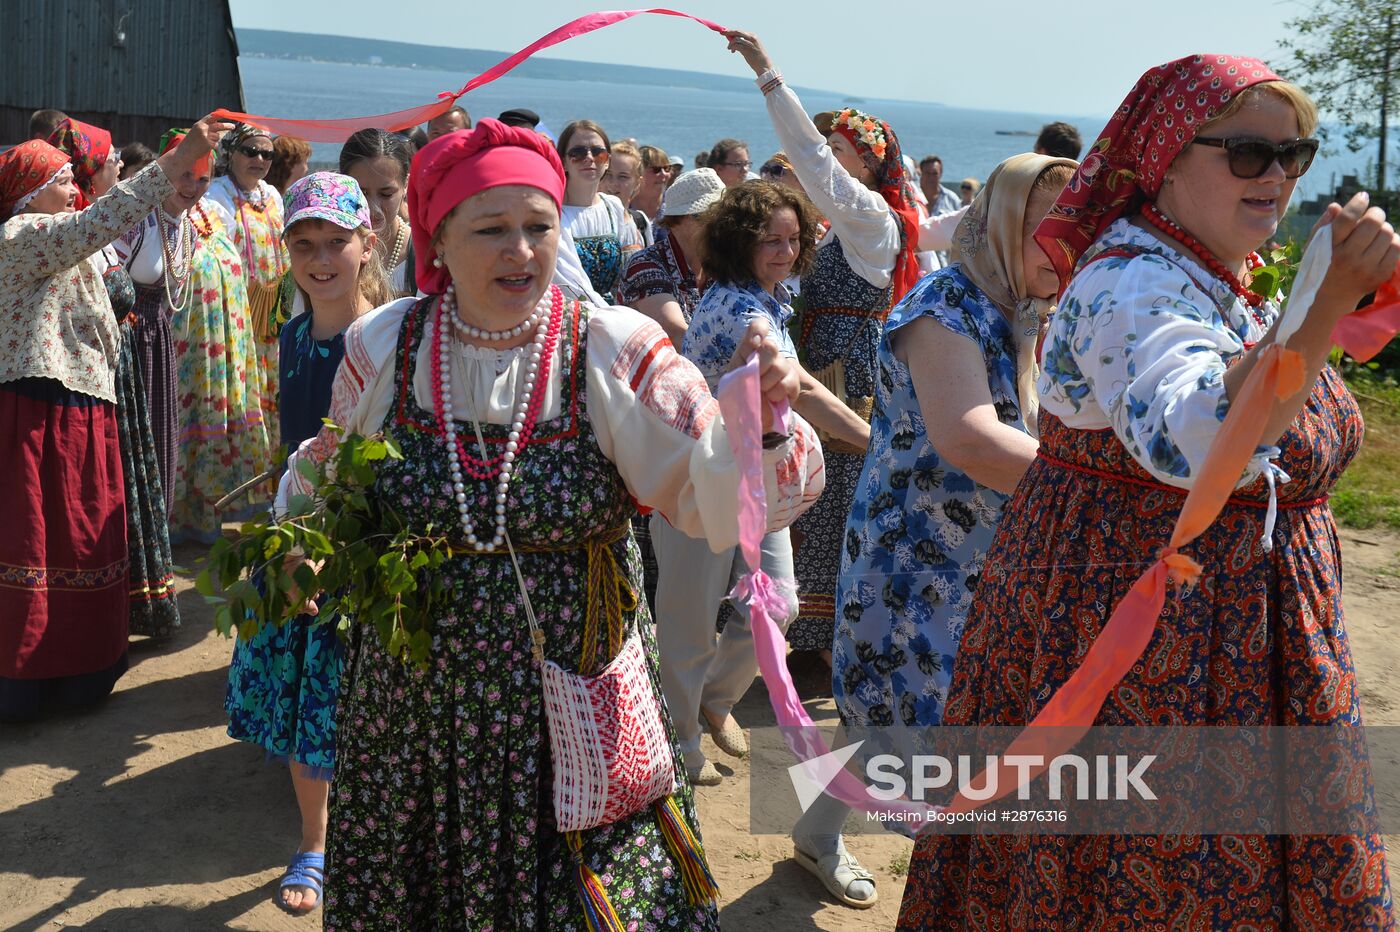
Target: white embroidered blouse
(648,405)
(57,317)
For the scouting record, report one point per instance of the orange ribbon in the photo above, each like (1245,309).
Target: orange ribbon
(1072,709)
(1365,333)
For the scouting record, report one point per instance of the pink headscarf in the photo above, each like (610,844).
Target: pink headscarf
(453,167)
(1161,114)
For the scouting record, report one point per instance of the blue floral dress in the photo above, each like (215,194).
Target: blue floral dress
(282,682)
(721,318)
(919,528)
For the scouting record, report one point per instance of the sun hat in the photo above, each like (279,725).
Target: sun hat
(691,193)
(327,196)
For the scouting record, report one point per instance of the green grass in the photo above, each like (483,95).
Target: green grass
(1368,494)
(899,867)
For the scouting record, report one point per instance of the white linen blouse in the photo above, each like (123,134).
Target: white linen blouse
(650,409)
(860,217)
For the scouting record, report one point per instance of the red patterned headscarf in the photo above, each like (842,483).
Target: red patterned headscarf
(1161,115)
(89,147)
(879,150)
(25,169)
(455,166)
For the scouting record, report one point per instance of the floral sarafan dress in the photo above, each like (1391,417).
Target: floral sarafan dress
(225,440)
(919,527)
(253,224)
(441,813)
(1260,641)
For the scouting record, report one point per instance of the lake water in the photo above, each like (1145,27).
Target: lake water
(682,121)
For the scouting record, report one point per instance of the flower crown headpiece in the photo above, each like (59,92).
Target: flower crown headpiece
(867,129)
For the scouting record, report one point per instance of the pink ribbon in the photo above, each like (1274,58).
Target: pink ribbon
(342,129)
(740,402)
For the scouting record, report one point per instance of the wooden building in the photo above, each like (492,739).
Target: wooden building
(133,67)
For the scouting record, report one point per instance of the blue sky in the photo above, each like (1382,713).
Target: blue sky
(1040,57)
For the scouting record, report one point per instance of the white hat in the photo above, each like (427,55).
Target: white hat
(691,193)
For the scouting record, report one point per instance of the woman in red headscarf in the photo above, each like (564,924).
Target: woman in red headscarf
(96,164)
(142,408)
(63,551)
(440,808)
(850,164)
(1155,333)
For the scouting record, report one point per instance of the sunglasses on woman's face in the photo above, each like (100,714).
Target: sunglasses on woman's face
(579,153)
(658,169)
(772,171)
(253,152)
(1250,157)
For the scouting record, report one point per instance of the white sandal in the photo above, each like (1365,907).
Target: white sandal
(837,872)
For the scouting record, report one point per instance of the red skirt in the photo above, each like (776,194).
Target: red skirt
(63,559)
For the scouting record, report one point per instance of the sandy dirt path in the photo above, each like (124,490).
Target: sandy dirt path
(143,815)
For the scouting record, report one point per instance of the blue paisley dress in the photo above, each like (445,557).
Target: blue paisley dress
(919,527)
(283,681)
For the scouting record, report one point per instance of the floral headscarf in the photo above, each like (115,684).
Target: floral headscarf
(26,170)
(88,147)
(1161,114)
(879,150)
(232,140)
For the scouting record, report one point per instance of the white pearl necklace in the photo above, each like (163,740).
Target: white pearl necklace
(447,316)
(489,336)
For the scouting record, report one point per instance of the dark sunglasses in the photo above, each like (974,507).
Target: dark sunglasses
(579,153)
(773,171)
(659,169)
(1250,157)
(253,152)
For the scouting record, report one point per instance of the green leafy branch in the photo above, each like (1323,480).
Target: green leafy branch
(1275,277)
(342,543)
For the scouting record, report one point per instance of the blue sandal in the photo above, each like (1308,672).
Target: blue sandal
(308,869)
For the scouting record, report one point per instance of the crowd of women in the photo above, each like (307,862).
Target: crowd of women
(983,456)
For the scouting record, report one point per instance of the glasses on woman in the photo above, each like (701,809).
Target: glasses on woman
(743,165)
(579,153)
(658,169)
(1250,157)
(253,152)
(774,171)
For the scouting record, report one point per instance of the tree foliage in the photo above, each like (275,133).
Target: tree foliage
(1346,53)
(343,541)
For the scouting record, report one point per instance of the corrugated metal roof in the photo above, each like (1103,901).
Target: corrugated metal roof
(152,57)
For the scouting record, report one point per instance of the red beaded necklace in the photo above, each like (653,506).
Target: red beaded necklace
(474,466)
(1217,268)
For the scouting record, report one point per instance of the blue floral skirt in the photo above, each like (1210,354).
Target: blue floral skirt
(282,688)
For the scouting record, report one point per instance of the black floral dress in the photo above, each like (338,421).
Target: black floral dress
(441,812)
(842,318)
(150,572)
